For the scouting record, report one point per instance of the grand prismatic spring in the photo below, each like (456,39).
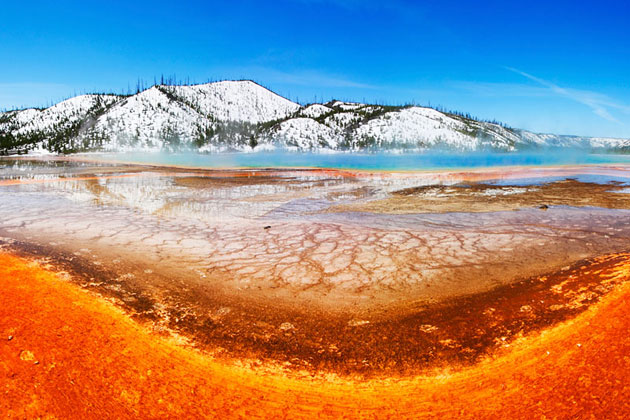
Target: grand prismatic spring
(192,287)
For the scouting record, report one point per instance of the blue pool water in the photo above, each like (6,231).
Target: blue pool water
(371,161)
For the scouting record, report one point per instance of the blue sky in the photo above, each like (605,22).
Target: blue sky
(549,66)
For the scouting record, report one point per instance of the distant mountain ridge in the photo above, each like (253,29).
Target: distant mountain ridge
(244,116)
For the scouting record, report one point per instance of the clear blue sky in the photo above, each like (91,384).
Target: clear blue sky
(549,66)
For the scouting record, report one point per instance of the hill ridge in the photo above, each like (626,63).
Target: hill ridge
(241,115)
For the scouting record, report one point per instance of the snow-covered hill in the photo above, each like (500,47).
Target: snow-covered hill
(149,119)
(243,101)
(242,115)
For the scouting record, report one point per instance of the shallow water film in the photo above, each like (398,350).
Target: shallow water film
(360,291)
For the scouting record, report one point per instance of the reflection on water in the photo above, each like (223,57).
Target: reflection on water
(216,221)
(219,196)
(162,194)
(25,168)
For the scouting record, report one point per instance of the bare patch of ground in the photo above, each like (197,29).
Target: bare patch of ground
(475,198)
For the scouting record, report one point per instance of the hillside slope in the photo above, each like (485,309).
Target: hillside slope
(242,115)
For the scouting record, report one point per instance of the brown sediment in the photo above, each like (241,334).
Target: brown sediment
(404,339)
(191,178)
(232,179)
(332,297)
(67,354)
(213,182)
(474,198)
(378,304)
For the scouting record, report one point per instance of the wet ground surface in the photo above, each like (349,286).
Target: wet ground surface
(481,197)
(65,353)
(356,274)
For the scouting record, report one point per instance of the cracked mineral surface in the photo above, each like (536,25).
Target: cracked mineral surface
(362,275)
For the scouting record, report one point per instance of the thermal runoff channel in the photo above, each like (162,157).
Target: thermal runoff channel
(242,288)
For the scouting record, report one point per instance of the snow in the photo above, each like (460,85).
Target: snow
(346,106)
(306,134)
(315,111)
(607,142)
(28,116)
(228,115)
(342,120)
(418,127)
(237,101)
(421,128)
(144,120)
(553,140)
(62,114)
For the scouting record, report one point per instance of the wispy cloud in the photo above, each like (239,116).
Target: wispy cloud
(313,78)
(600,104)
(500,89)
